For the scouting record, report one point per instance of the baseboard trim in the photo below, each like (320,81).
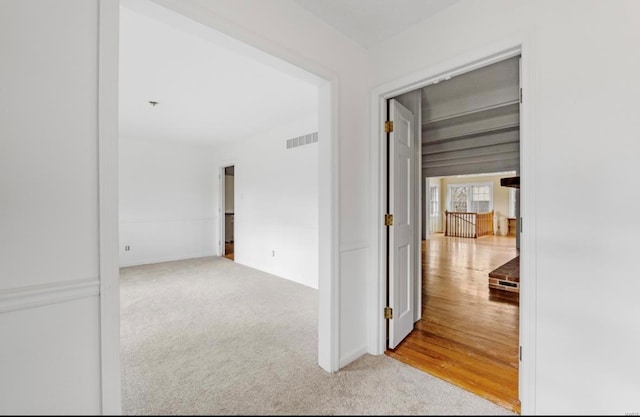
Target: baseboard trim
(353,245)
(167,220)
(357,353)
(166,259)
(45,294)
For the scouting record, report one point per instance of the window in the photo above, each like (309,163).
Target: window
(474,198)
(434,209)
(434,200)
(459,197)
(480,198)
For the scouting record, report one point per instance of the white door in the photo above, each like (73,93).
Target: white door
(402,203)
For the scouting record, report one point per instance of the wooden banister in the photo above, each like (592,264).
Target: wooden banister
(466,224)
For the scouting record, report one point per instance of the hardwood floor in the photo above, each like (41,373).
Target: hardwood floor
(228,250)
(468,335)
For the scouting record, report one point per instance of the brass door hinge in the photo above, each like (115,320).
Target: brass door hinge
(388,219)
(388,313)
(388,126)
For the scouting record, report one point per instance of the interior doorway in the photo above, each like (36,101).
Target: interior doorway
(227,198)
(466,327)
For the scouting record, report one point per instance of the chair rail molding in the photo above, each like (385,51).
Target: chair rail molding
(45,294)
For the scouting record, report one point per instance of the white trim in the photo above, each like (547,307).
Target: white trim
(346,359)
(148,261)
(108,23)
(328,231)
(417,240)
(167,220)
(529,207)
(45,294)
(518,44)
(354,245)
(376,293)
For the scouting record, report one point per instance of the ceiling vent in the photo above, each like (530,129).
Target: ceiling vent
(302,140)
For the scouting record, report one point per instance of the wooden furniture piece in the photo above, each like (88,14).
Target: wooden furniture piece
(512,226)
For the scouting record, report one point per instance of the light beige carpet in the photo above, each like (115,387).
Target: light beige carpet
(209,336)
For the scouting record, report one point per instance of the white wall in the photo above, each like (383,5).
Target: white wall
(585,127)
(169,201)
(166,201)
(276,202)
(49,267)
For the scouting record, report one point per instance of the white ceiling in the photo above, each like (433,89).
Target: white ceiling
(211,88)
(208,91)
(368,22)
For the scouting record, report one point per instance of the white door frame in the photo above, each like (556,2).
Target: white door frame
(108,206)
(271,53)
(518,44)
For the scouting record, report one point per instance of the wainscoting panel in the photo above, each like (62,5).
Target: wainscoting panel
(354,268)
(51,350)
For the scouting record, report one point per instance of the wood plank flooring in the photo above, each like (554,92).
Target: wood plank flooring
(468,335)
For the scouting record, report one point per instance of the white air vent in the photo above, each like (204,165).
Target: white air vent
(302,140)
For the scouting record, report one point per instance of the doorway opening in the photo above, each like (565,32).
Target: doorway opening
(254,46)
(183,172)
(227,199)
(452,310)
